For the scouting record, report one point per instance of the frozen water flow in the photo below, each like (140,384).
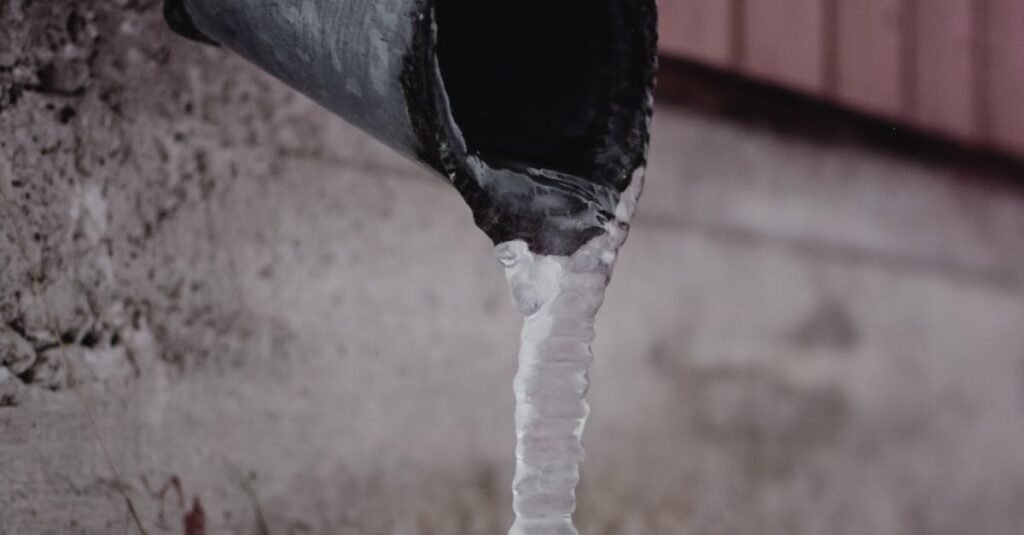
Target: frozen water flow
(559,297)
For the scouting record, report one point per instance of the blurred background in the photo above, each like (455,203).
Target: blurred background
(953,68)
(276,325)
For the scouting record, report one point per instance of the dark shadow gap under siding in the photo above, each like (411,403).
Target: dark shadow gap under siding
(712,91)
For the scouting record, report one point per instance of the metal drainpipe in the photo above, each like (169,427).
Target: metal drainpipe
(382,66)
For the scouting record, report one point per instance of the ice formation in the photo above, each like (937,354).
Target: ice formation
(559,296)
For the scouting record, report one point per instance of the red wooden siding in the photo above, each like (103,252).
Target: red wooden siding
(953,67)
(943,95)
(869,55)
(1005,88)
(784,41)
(699,29)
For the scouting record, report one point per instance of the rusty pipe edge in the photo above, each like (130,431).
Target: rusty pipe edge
(538,112)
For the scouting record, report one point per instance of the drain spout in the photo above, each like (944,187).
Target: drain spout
(538,112)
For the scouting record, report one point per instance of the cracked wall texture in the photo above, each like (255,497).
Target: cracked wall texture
(274,325)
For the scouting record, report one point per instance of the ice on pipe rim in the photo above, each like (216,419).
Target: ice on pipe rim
(542,153)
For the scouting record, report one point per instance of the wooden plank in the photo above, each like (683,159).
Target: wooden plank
(784,42)
(869,55)
(697,29)
(943,96)
(1005,106)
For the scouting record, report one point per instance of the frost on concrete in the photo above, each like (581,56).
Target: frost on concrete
(108,348)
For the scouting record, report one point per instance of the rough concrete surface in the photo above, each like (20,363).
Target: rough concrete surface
(273,325)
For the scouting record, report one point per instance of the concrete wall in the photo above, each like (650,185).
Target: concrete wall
(305,334)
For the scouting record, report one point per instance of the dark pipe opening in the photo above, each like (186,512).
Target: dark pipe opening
(547,83)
